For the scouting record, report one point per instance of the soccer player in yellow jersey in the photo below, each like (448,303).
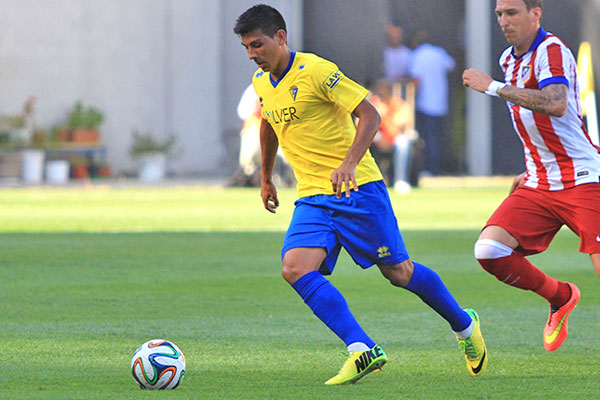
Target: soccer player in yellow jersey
(307,108)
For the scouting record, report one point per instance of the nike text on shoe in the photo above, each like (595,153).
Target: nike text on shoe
(359,364)
(557,328)
(474,347)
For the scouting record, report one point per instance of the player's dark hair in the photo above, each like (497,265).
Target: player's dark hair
(262,17)
(532,4)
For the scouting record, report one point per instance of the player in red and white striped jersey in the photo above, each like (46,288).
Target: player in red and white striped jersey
(561,185)
(558,151)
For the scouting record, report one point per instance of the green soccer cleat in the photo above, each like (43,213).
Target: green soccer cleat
(359,364)
(474,347)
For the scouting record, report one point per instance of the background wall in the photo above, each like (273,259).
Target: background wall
(143,62)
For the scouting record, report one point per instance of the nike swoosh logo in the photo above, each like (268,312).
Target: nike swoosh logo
(550,338)
(478,368)
(598,238)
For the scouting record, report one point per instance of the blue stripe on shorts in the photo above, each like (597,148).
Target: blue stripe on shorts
(364,224)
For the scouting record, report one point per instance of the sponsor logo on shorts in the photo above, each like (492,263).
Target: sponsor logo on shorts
(583,173)
(383,251)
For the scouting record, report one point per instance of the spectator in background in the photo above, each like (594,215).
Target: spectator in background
(391,146)
(249,111)
(396,55)
(249,159)
(429,68)
(248,173)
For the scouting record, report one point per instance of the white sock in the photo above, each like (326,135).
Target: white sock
(465,333)
(357,346)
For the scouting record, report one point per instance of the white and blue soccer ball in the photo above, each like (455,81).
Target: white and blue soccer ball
(158,364)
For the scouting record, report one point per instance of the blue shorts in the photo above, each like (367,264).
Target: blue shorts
(364,224)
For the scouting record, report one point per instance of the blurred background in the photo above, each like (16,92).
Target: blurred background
(166,77)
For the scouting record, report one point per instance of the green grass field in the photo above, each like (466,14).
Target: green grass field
(87,275)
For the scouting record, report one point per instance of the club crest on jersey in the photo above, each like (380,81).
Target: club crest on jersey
(333,79)
(294,92)
(525,73)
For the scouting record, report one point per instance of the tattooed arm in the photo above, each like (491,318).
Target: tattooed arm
(551,100)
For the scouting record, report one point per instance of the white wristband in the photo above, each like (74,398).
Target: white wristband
(492,90)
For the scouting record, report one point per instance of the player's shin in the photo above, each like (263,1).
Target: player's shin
(330,306)
(515,270)
(428,285)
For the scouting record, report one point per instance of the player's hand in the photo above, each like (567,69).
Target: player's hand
(269,196)
(517,182)
(344,174)
(476,80)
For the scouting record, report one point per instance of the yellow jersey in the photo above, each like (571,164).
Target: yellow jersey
(310,109)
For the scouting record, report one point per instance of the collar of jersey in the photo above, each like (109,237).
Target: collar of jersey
(536,42)
(285,71)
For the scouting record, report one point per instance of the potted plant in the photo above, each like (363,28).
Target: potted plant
(60,133)
(79,167)
(34,156)
(151,154)
(57,170)
(84,123)
(23,144)
(11,145)
(103,169)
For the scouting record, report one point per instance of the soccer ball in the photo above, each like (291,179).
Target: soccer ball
(158,364)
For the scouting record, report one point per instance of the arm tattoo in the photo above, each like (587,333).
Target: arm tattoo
(550,100)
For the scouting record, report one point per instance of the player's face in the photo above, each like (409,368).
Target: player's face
(517,23)
(264,50)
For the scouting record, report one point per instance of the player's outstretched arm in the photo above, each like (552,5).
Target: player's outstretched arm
(368,124)
(551,99)
(268,146)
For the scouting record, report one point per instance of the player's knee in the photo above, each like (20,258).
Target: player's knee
(488,249)
(298,262)
(289,273)
(292,270)
(399,275)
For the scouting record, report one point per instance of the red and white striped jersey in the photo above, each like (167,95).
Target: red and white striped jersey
(558,151)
